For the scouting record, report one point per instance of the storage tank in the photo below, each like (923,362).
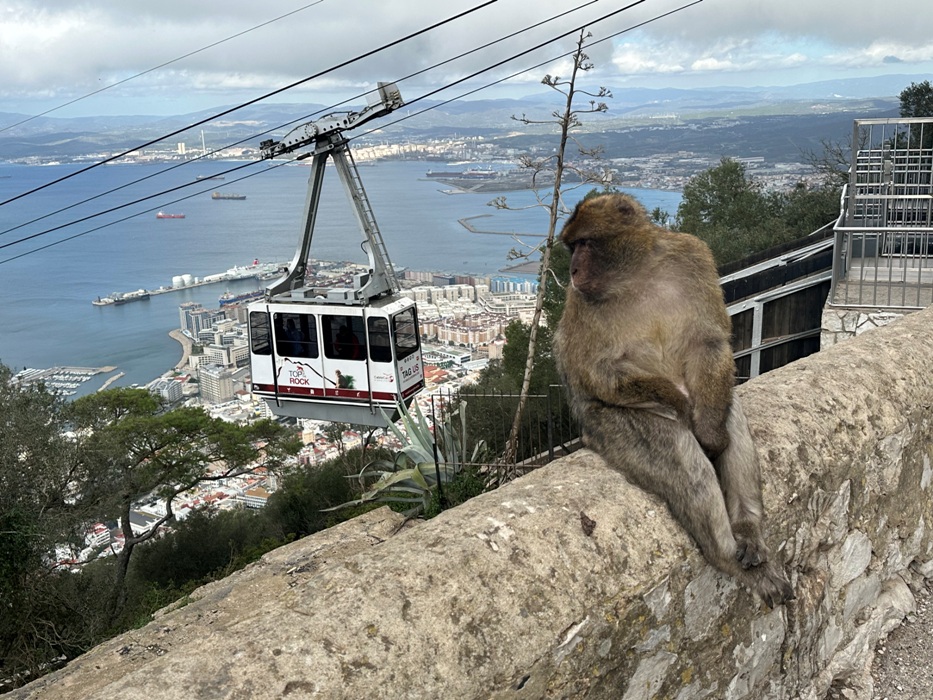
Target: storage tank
(187,280)
(177,281)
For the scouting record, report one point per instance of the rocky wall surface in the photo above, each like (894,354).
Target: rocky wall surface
(569,582)
(841,323)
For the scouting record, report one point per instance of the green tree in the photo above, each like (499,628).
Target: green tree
(209,543)
(728,210)
(722,197)
(804,209)
(297,508)
(131,451)
(917,100)
(36,514)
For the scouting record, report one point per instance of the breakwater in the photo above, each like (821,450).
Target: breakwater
(257,271)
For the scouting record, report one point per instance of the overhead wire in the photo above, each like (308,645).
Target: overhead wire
(435,106)
(160,66)
(524,70)
(263,133)
(124,205)
(225,112)
(133,215)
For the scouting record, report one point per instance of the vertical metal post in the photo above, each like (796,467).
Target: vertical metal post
(437,470)
(755,358)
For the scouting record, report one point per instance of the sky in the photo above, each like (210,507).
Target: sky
(200,55)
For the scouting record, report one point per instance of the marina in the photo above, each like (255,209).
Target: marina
(63,381)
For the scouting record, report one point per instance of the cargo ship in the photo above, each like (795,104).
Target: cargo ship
(118,298)
(471,174)
(228,298)
(223,195)
(163,215)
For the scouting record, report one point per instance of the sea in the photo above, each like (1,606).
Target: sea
(49,277)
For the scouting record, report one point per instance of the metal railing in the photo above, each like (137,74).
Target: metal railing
(548,430)
(884,234)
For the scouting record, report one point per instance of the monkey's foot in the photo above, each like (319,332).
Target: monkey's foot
(771,585)
(750,553)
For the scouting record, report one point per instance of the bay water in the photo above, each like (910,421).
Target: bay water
(46,315)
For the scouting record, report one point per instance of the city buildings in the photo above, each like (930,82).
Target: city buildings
(216,383)
(169,389)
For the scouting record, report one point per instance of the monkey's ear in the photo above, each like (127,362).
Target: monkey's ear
(573,214)
(624,207)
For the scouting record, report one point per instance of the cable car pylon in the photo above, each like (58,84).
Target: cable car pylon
(339,354)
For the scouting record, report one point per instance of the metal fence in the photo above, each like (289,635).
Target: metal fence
(884,234)
(547,429)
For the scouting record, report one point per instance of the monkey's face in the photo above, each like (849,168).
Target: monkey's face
(608,236)
(588,268)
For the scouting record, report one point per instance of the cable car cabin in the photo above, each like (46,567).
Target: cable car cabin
(336,363)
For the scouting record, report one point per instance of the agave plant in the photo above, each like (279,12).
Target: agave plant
(424,461)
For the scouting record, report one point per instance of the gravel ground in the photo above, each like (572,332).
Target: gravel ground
(903,666)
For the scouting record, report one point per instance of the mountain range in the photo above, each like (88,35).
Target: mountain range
(638,108)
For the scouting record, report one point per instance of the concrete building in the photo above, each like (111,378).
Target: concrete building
(194,318)
(255,497)
(473,330)
(169,389)
(98,536)
(216,383)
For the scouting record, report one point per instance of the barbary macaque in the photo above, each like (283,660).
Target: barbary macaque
(644,351)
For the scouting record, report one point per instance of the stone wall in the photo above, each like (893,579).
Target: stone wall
(840,323)
(569,582)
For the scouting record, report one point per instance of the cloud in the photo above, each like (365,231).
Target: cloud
(69,49)
(882,53)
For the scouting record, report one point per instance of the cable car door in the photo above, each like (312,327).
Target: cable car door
(344,366)
(261,361)
(298,365)
(408,352)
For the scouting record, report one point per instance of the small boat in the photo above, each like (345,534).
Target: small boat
(164,215)
(223,195)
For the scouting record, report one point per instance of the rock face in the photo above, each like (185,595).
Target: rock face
(569,582)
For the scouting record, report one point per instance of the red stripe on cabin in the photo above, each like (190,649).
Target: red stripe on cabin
(413,389)
(324,395)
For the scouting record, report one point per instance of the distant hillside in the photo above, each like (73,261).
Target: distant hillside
(827,109)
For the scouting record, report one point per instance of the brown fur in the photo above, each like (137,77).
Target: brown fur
(644,350)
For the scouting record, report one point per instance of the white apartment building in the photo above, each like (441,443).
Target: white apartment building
(216,383)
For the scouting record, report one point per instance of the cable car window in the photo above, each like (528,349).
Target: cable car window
(380,343)
(296,335)
(260,340)
(343,337)
(405,324)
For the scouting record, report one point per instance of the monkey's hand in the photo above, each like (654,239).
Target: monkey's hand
(750,553)
(750,547)
(710,418)
(651,393)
